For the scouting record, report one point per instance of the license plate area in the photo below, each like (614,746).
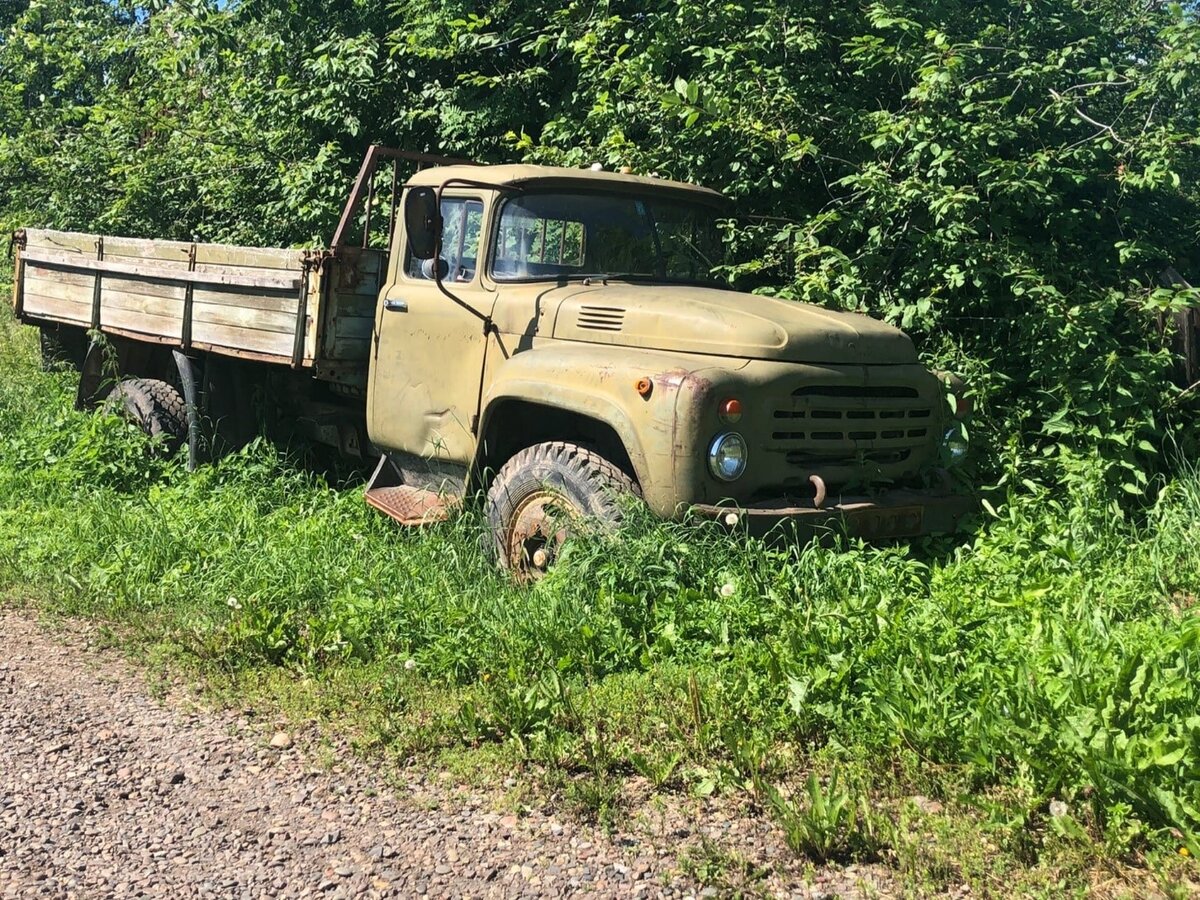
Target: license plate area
(894,521)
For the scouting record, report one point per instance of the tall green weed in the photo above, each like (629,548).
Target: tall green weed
(1054,652)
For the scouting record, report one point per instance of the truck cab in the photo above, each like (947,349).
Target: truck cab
(558,337)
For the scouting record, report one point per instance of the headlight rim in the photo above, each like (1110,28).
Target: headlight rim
(953,455)
(714,448)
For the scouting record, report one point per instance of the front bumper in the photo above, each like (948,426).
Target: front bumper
(895,514)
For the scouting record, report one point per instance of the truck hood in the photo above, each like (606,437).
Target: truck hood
(725,323)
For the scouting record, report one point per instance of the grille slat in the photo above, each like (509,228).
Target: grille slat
(848,423)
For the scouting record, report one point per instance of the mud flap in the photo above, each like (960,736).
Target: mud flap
(187,377)
(94,382)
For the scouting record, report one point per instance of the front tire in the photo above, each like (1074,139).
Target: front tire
(154,406)
(546,492)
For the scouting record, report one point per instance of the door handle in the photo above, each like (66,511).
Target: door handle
(395,305)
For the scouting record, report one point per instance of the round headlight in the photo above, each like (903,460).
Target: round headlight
(727,456)
(954,445)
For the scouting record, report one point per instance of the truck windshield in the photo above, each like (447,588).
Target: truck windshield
(558,236)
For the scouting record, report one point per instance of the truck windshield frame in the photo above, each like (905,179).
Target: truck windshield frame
(569,234)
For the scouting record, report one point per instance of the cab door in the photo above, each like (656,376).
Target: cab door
(428,350)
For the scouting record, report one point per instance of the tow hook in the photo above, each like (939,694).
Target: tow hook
(818,484)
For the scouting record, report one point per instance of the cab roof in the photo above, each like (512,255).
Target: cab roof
(520,175)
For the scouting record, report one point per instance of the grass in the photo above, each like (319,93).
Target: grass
(1034,687)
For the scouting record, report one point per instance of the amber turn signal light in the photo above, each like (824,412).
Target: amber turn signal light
(731,410)
(644,386)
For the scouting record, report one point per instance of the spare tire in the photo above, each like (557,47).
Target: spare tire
(154,406)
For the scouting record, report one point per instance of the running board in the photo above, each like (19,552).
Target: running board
(406,504)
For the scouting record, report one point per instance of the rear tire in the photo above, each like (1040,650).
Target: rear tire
(154,406)
(544,494)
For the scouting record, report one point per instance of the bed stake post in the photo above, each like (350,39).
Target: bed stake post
(97,286)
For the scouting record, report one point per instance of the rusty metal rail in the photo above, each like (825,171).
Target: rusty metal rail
(364,187)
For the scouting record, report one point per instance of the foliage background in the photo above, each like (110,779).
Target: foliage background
(1005,180)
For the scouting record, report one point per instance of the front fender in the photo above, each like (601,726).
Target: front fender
(602,383)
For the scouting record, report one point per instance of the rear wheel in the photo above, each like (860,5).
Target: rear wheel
(544,494)
(154,406)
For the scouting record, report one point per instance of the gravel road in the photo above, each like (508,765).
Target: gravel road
(108,792)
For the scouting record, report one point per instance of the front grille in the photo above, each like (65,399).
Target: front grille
(833,424)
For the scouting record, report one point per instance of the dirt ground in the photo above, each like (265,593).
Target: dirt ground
(106,791)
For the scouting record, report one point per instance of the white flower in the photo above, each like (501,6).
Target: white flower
(727,590)
(1058,809)
(232,603)
(410,664)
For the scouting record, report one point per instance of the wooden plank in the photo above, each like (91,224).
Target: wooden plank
(281,281)
(249,354)
(144,287)
(60,276)
(261,300)
(259,257)
(153,248)
(64,241)
(154,306)
(246,270)
(76,293)
(266,302)
(273,342)
(141,322)
(282,323)
(140,336)
(172,254)
(38,305)
(274,358)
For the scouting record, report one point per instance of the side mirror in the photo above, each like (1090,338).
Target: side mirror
(422,221)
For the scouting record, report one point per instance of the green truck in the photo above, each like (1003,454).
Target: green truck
(550,337)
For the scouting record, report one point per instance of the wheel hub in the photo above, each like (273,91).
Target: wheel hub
(538,531)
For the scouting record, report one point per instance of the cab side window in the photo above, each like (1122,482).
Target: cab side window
(462,228)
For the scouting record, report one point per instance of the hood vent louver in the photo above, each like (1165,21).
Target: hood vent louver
(600,318)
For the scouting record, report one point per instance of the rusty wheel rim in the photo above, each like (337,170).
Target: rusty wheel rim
(539,529)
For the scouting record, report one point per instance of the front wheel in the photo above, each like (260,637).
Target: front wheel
(546,492)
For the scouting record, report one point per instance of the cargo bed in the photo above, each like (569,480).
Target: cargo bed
(307,309)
